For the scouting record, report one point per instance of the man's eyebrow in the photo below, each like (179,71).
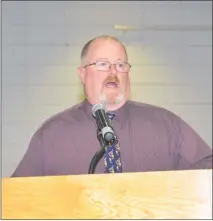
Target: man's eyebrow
(123,60)
(102,59)
(106,59)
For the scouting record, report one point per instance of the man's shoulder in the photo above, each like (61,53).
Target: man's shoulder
(140,107)
(69,116)
(150,111)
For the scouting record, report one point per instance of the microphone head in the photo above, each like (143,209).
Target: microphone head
(96,107)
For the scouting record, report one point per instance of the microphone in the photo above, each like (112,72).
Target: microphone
(103,123)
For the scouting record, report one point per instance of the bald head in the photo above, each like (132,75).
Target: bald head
(88,45)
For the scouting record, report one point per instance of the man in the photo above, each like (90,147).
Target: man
(149,138)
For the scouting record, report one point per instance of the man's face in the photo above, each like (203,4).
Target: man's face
(111,86)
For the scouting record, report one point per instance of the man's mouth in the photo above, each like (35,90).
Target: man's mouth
(111,84)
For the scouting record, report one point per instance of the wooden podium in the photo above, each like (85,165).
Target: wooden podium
(148,195)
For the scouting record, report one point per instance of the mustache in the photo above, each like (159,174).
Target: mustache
(111,78)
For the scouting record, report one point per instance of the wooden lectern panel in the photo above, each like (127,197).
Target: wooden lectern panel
(150,195)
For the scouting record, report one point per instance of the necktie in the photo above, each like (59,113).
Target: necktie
(112,159)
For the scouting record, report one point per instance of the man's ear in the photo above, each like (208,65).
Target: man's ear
(81,74)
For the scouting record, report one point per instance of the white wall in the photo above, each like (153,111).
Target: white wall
(170,50)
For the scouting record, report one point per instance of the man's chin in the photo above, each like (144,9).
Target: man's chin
(109,106)
(112,103)
(114,107)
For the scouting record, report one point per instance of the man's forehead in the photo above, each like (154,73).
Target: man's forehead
(103,41)
(98,46)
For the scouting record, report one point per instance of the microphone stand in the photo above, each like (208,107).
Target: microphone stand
(99,154)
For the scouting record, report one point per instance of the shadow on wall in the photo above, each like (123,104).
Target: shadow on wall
(81,96)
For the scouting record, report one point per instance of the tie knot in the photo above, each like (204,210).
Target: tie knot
(111,116)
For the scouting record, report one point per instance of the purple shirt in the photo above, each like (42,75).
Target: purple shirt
(151,139)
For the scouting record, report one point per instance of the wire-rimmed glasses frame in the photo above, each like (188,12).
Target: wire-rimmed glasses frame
(120,66)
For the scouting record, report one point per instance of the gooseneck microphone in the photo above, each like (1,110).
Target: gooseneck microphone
(105,134)
(103,123)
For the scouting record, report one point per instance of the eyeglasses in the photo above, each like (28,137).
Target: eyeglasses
(122,67)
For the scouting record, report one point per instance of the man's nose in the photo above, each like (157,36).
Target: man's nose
(113,69)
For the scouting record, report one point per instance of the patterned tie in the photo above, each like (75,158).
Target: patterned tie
(112,159)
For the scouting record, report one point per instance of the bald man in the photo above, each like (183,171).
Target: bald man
(150,138)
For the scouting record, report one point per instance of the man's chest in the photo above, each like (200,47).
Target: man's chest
(72,151)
